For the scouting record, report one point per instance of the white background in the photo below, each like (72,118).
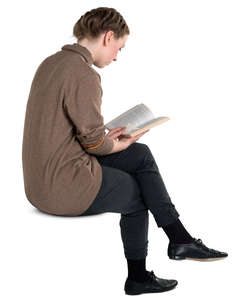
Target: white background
(188,60)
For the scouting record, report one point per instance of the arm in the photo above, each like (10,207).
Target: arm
(82,104)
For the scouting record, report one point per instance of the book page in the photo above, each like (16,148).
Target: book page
(132,118)
(156,120)
(148,125)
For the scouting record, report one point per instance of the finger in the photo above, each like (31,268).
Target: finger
(140,134)
(119,128)
(116,131)
(137,137)
(119,133)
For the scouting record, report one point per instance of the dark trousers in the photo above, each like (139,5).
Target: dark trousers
(132,185)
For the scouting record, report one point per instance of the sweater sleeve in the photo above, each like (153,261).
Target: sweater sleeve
(82,102)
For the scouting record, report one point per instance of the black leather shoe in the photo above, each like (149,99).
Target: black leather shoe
(152,285)
(195,250)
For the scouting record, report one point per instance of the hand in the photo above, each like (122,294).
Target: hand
(123,140)
(115,132)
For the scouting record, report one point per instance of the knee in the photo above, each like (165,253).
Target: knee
(141,148)
(140,212)
(131,193)
(143,151)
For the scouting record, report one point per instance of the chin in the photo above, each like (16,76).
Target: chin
(97,65)
(100,66)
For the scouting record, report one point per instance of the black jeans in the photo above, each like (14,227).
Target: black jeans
(132,185)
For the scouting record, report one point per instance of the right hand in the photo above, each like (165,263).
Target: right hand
(123,141)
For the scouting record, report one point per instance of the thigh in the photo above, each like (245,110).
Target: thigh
(129,160)
(119,193)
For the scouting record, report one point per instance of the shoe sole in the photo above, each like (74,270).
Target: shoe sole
(147,292)
(197,259)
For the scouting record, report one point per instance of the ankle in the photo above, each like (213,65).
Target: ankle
(137,270)
(177,233)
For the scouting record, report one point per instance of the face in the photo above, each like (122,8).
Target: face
(110,48)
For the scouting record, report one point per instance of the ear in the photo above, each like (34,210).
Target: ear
(109,35)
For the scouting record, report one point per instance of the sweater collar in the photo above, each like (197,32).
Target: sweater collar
(83,51)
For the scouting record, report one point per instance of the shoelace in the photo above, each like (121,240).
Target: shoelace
(151,275)
(199,241)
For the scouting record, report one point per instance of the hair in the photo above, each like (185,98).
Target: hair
(100,20)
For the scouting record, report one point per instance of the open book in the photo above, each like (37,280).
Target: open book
(137,119)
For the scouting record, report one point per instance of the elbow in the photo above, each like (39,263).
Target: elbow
(103,146)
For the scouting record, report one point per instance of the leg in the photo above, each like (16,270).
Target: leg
(120,193)
(138,161)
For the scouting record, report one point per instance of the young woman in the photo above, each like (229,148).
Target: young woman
(71,167)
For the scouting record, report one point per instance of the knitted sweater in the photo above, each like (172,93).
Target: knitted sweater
(63,132)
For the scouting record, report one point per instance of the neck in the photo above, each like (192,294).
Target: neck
(92,47)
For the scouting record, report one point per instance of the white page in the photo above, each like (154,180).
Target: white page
(133,118)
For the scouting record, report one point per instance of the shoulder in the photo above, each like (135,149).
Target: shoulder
(76,66)
(70,66)
(80,78)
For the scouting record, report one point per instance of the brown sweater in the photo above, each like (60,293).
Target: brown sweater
(63,131)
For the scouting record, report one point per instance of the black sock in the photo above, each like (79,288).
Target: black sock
(137,270)
(177,233)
